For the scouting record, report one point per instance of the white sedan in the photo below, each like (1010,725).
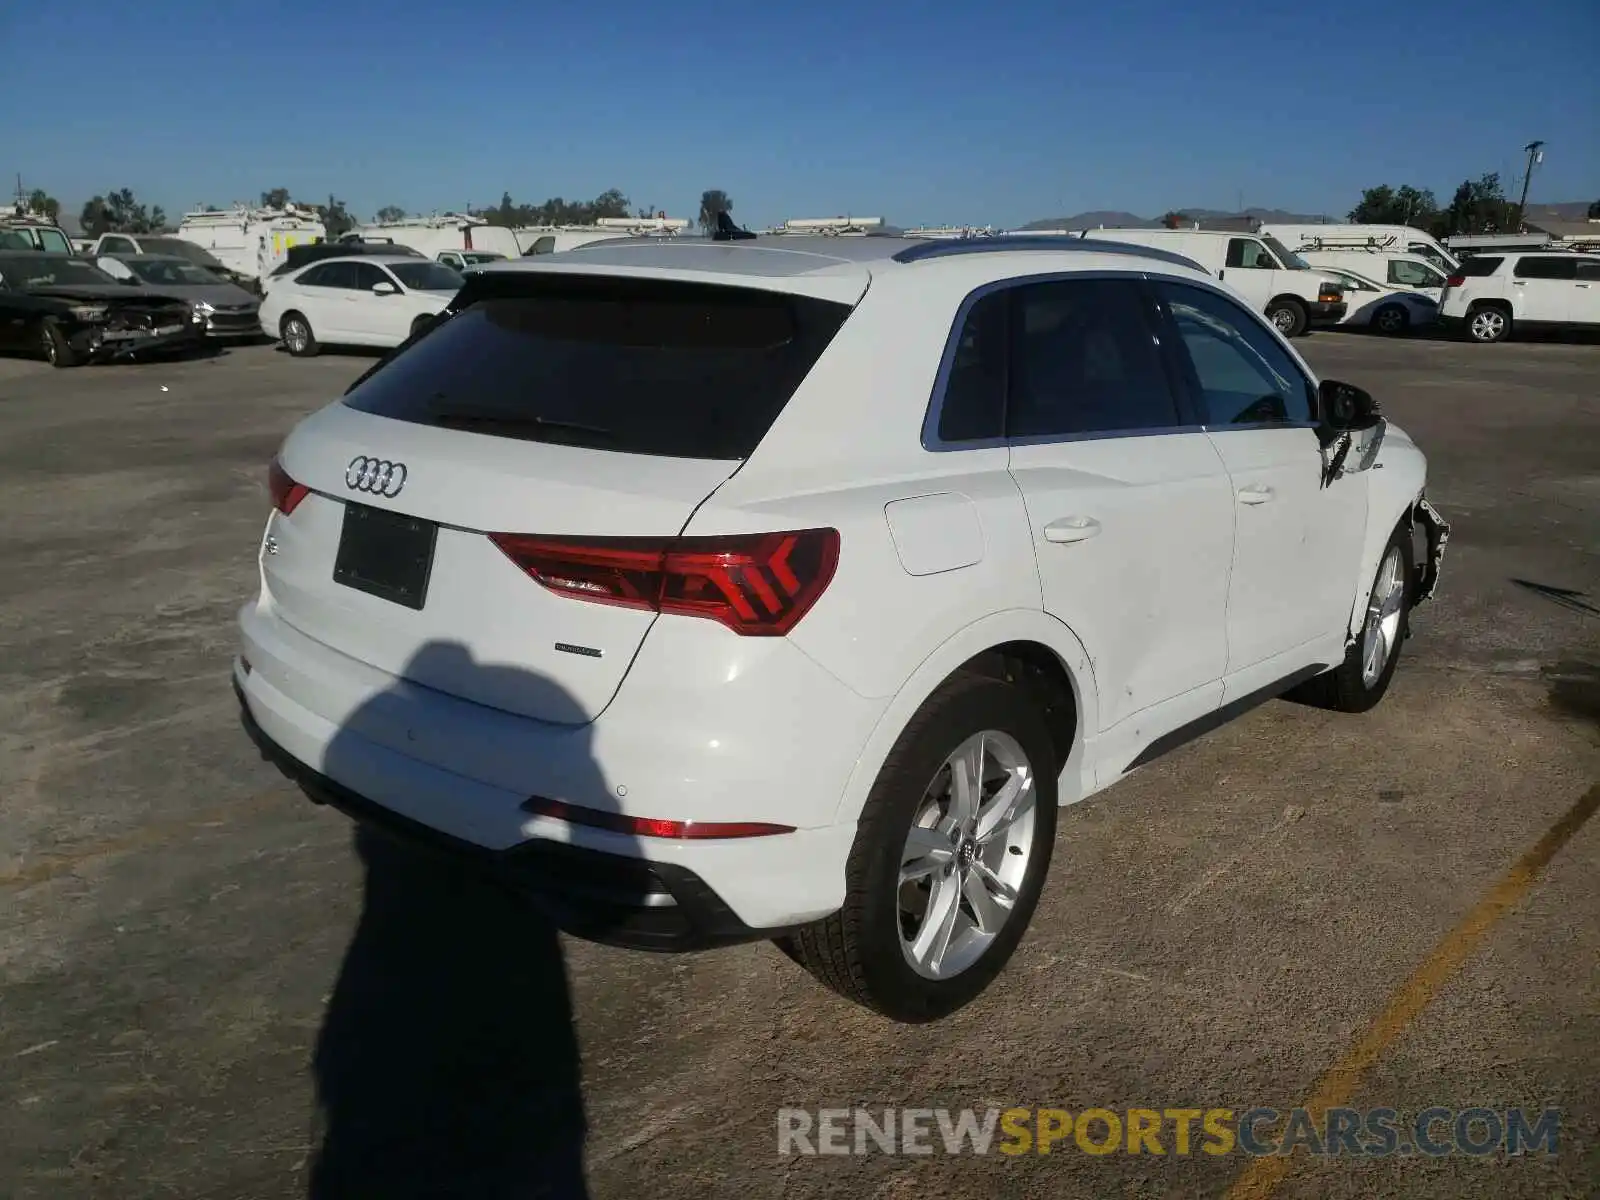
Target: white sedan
(1382,307)
(365,300)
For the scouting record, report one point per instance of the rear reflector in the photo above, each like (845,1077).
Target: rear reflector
(649,826)
(757,584)
(286,493)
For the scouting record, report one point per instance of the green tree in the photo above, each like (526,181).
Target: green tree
(556,210)
(1479,206)
(119,212)
(712,202)
(391,212)
(335,218)
(1594,211)
(1405,205)
(45,205)
(276,198)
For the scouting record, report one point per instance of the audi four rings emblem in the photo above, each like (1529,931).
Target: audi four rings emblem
(376,475)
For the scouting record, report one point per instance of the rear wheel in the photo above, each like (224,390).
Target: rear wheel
(297,336)
(950,856)
(1289,316)
(1488,323)
(1391,319)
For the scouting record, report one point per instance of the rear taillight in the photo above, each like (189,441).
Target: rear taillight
(286,493)
(1456,281)
(756,584)
(650,826)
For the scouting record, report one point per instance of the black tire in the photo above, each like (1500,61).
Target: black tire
(1289,316)
(58,352)
(1488,323)
(1346,688)
(1392,319)
(857,951)
(297,337)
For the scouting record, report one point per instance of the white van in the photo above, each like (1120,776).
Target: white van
(1271,279)
(556,239)
(1382,239)
(1410,271)
(430,236)
(251,241)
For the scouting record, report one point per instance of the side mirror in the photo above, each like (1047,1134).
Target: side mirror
(384,288)
(1346,408)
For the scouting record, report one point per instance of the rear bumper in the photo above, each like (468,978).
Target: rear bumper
(1326,312)
(607,898)
(458,774)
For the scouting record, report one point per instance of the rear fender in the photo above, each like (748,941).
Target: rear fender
(1013,625)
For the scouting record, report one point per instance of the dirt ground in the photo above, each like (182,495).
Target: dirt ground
(191,954)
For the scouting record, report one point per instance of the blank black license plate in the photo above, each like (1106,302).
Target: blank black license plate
(385,554)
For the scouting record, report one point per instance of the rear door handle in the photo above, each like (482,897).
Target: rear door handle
(1072,529)
(1256,493)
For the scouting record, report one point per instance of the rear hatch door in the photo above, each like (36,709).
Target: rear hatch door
(555,405)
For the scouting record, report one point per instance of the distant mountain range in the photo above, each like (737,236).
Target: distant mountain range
(1575,210)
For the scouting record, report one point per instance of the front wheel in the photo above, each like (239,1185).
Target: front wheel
(1359,682)
(949,859)
(1289,316)
(58,351)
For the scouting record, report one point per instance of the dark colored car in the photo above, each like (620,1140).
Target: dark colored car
(70,312)
(300,256)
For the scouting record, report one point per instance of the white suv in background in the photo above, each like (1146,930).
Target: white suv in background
(1492,294)
(715,592)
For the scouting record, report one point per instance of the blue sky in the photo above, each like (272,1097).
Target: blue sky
(947,112)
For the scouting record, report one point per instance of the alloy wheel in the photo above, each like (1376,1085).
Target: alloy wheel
(966,854)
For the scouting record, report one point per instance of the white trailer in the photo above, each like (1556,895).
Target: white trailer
(252,241)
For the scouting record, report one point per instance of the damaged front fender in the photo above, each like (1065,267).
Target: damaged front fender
(1437,532)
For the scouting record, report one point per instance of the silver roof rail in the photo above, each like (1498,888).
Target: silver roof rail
(994,245)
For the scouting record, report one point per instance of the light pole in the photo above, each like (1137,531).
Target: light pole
(1535,155)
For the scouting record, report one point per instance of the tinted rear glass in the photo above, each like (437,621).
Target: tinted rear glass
(1480,264)
(636,366)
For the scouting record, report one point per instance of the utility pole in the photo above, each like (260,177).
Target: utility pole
(1535,152)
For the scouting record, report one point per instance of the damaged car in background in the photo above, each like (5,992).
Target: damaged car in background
(70,312)
(229,312)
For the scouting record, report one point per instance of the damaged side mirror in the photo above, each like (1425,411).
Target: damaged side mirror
(1350,420)
(1344,408)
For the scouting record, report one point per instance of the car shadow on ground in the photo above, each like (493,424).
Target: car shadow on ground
(447,1064)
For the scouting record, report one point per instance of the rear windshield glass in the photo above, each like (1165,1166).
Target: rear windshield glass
(637,366)
(1479,264)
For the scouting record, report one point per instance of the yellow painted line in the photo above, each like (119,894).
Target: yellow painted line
(48,866)
(1338,1084)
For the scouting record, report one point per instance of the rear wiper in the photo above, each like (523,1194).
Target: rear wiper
(529,425)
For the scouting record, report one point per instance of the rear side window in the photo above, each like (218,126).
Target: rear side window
(975,389)
(1084,360)
(1480,265)
(1546,268)
(685,370)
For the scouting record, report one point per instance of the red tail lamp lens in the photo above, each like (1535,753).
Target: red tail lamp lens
(286,493)
(759,585)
